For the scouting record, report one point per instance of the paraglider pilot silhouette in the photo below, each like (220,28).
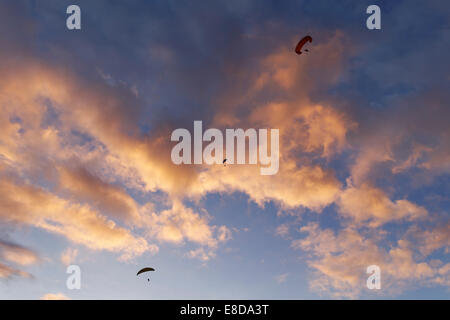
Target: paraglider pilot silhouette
(301,43)
(145,270)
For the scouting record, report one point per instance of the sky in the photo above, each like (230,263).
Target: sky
(86,176)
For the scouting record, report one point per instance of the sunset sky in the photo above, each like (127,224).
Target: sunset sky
(86,176)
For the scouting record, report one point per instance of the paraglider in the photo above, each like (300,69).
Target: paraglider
(147,269)
(301,43)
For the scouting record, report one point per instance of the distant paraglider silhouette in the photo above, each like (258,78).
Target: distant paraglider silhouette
(147,269)
(301,43)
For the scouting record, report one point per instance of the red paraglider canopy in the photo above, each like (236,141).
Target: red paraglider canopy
(301,43)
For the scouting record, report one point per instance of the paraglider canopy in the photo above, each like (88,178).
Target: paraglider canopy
(301,43)
(145,270)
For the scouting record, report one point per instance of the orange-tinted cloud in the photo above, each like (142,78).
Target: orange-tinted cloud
(11,253)
(26,204)
(108,198)
(372,206)
(8,272)
(68,256)
(339,262)
(54,296)
(17,254)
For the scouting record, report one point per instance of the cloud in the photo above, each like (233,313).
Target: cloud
(404,139)
(413,159)
(17,254)
(109,199)
(282,230)
(371,205)
(180,223)
(309,186)
(281,278)
(201,254)
(432,239)
(339,261)
(110,142)
(224,234)
(54,296)
(68,256)
(8,272)
(92,156)
(30,205)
